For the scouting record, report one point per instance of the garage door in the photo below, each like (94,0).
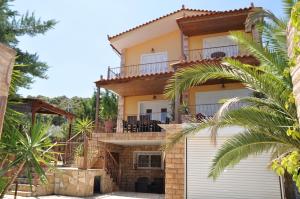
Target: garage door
(250,179)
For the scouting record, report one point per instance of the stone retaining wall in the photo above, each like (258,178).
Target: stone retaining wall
(75,182)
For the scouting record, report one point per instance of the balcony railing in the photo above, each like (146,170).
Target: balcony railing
(146,122)
(203,111)
(211,53)
(139,69)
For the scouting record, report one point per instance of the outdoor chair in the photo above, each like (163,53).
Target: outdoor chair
(141,185)
(144,123)
(218,54)
(132,123)
(157,186)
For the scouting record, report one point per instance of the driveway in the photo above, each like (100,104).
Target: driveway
(114,195)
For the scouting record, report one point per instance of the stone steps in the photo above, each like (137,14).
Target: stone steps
(23,187)
(20,193)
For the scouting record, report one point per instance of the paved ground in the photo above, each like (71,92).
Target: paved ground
(115,195)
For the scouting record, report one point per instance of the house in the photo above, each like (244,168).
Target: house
(130,157)
(149,55)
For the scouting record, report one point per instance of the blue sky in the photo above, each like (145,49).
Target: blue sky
(77,50)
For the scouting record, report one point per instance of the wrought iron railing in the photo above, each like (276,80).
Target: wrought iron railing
(211,53)
(139,69)
(202,111)
(146,122)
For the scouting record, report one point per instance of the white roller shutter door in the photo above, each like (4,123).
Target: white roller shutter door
(250,179)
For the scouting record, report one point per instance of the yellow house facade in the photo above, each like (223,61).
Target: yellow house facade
(149,55)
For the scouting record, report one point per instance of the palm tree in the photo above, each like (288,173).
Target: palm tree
(25,152)
(270,120)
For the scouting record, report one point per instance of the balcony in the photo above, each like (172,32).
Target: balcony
(140,69)
(146,122)
(212,53)
(196,113)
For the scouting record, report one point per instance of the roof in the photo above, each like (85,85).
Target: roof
(218,13)
(33,105)
(209,23)
(123,79)
(159,18)
(152,29)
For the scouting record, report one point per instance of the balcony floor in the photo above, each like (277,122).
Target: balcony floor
(132,139)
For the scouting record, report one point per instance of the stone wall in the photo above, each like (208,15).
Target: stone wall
(75,182)
(175,161)
(7,57)
(129,173)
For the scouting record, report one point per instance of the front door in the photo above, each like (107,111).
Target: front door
(154,63)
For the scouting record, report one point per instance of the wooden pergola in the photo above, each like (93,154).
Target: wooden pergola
(37,106)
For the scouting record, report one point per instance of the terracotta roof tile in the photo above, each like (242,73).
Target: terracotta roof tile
(216,13)
(132,77)
(164,16)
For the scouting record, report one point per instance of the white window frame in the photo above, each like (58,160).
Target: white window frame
(158,68)
(155,101)
(138,153)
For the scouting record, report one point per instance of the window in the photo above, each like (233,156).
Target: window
(148,160)
(149,113)
(163,116)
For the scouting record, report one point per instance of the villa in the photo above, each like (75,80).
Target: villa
(130,157)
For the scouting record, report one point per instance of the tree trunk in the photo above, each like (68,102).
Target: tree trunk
(289,189)
(11,181)
(7,57)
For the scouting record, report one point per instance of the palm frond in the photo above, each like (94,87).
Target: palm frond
(240,147)
(263,54)
(288,6)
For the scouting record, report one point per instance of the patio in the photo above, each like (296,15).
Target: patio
(114,195)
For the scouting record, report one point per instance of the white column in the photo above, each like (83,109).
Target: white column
(185,46)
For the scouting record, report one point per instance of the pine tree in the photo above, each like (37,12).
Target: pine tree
(13,25)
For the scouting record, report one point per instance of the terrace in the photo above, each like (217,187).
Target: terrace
(166,66)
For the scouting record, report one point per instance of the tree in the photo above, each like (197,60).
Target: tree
(270,119)
(108,105)
(27,152)
(14,25)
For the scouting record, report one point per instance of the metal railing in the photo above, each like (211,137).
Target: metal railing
(146,122)
(202,111)
(139,69)
(211,53)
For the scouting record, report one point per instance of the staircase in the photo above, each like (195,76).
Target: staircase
(97,157)
(23,187)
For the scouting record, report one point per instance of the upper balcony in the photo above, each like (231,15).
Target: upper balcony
(213,53)
(140,69)
(166,66)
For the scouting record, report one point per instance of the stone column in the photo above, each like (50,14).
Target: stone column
(184,47)
(175,165)
(120,114)
(122,63)
(7,58)
(97,108)
(295,72)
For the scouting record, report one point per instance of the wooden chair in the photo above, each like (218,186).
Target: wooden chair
(144,123)
(132,123)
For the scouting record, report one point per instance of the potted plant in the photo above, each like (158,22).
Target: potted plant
(185,112)
(109,110)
